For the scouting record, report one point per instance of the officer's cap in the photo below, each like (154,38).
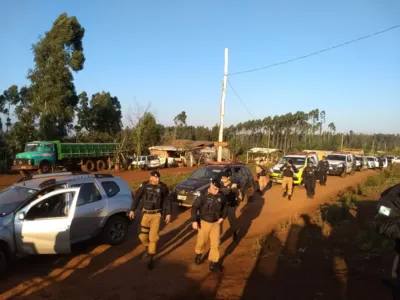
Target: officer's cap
(225,174)
(155,173)
(216,183)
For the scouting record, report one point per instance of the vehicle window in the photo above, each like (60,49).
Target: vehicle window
(33,148)
(111,188)
(152,157)
(248,172)
(205,173)
(336,157)
(12,197)
(89,193)
(56,206)
(48,147)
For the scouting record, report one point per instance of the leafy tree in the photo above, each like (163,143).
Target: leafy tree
(179,120)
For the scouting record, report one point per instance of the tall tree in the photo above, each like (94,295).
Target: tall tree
(179,120)
(52,92)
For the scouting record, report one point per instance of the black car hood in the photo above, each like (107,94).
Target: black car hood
(192,185)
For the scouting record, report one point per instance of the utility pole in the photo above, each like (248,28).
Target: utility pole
(341,147)
(221,122)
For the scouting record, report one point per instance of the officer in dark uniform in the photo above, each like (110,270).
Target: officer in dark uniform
(211,208)
(154,198)
(231,192)
(323,167)
(288,170)
(310,178)
(380,163)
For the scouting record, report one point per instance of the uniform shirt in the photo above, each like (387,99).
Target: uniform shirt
(219,206)
(323,165)
(165,199)
(288,171)
(261,170)
(309,173)
(231,192)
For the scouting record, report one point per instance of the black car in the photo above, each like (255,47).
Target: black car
(187,191)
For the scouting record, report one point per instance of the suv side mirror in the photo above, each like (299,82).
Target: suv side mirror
(21,216)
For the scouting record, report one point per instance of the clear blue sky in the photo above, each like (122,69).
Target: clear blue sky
(170,53)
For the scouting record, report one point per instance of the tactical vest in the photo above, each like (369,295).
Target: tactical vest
(152,197)
(211,208)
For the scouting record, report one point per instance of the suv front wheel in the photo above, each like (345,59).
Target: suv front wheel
(115,230)
(3,263)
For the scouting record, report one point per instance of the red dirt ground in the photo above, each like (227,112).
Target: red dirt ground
(102,272)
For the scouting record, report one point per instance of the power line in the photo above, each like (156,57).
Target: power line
(315,53)
(240,99)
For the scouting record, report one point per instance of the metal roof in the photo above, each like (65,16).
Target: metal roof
(263,150)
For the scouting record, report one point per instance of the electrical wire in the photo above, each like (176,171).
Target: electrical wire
(240,99)
(315,53)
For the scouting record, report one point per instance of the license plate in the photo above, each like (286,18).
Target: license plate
(181,197)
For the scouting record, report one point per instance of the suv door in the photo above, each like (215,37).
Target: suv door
(91,208)
(348,163)
(43,226)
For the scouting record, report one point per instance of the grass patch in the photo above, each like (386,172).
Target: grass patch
(171,180)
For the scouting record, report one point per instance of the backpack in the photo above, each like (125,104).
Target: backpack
(387,219)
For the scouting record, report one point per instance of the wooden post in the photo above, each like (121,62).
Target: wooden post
(221,122)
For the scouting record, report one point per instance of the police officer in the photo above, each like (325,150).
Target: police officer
(154,198)
(310,178)
(211,208)
(380,163)
(261,172)
(323,167)
(231,192)
(288,170)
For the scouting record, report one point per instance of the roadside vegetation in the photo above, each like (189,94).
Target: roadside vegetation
(338,232)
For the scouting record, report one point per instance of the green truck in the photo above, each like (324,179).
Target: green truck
(46,156)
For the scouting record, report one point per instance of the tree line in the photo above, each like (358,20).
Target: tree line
(49,108)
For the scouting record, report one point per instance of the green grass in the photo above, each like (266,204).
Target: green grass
(171,180)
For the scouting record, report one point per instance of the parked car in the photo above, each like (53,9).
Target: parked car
(359,162)
(373,162)
(299,159)
(46,214)
(341,164)
(186,192)
(147,162)
(390,159)
(396,160)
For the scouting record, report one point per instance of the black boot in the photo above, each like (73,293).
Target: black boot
(284,194)
(150,264)
(290,197)
(197,259)
(215,267)
(145,253)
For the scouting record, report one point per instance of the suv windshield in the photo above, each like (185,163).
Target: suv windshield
(205,173)
(295,160)
(359,158)
(12,197)
(33,148)
(336,157)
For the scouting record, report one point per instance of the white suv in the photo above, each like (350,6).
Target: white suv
(45,214)
(341,164)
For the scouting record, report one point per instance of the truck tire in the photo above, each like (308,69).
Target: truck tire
(352,172)
(83,168)
(115,230)
(89,165)
(45,168)
(344,174)
(100,165)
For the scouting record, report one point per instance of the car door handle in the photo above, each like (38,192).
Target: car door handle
(99,209)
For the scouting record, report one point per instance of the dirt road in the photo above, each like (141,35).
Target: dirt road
(103,272)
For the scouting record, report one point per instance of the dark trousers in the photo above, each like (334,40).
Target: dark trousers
(310,187)
(323,177)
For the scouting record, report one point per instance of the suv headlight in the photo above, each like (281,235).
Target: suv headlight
(196,193)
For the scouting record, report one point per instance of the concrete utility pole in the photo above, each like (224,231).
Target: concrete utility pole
(221,122)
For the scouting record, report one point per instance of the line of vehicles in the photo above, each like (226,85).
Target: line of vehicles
(340,163)
(46,214)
